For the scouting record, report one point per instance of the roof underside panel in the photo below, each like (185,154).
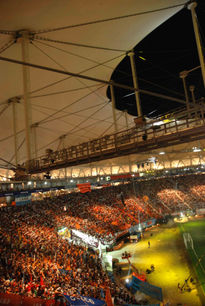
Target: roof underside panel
(64,105)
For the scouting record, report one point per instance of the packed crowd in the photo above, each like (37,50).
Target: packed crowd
(37,262)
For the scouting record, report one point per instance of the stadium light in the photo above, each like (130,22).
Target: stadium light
(195,149)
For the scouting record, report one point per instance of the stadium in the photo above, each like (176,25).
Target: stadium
(102,163)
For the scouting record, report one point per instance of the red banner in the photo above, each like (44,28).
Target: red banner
(108,298)
(17,300)
(120,176)
(84,187)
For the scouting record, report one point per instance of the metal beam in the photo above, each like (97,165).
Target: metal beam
(135,82)
(113,107)
(90,78)
(26,85)
(198,39)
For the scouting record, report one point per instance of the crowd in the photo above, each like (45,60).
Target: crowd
(37,262)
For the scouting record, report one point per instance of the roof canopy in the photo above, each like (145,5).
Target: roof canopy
(87,37)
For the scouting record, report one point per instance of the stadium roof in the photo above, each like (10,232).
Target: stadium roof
(87,37)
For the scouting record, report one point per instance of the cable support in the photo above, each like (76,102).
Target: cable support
(86,77)
(6,168)
(139,79)
(150,93)
(81,76)
(162,87)
(118,70)
(107,19)
(78,45)
(74,113)
(6,46)
(10,136)
(88,126)
(78,100)
(61,66)
(83,57)
(19,147)
(5,107)
(68,113)
(193,69)
(81,116)
(7,162)
(89,117)
(50,130)
(51,58)
(64,91)
(74,134)
(67,78)
(109,127)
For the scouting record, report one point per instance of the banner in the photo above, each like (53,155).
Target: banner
(108,298)
(83,188)
(120,176)
(146,288)
(88,239)
(17,300)
(200,211)
(83,300)
(23,199)
(143,225)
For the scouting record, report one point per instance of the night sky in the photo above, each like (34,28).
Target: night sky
(168,50)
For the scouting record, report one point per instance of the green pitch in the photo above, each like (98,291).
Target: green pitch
(196,250)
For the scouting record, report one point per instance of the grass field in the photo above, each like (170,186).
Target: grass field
(196,228)
(167,252)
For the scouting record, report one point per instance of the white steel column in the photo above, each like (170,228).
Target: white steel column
(26,86)
(191,88)
(14,101)
(127,126)
(197,37)
(113,107)
(183,76)
(34,127)
(135,83)
(62,146)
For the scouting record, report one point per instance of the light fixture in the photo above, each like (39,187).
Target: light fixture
(161,153)
(195,149)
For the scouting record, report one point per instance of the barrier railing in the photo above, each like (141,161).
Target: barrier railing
(123,142)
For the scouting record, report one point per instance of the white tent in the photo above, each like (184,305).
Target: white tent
(85,37)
